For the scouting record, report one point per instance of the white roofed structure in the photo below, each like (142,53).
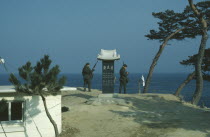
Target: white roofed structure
(11,89)
(108,55)
(7,89)
(29,118)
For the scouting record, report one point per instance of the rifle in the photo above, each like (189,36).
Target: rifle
(93,69)
(94,66)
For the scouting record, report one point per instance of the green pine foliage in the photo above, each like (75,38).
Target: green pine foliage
(170,21)
(39,78)
(191,61)
(3,105)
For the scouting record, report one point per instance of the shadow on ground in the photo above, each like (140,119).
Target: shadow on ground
(85,96)
(80,89)
(155,113)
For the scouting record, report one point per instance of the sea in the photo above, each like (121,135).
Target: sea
(165,83)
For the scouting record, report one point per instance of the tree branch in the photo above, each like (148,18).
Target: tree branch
(197,13)
(171,35)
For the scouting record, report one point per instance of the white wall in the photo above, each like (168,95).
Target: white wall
(36,122)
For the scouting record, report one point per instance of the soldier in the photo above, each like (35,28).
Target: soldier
(87,76)
(123,78)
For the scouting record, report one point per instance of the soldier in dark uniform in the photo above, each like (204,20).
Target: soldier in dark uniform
(123,78)
(87,76)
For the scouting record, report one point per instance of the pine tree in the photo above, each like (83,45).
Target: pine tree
(191,61)
(40,80)
(203,20)
(205,67)
(179,26)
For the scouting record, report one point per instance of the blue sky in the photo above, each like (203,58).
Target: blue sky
(72,32)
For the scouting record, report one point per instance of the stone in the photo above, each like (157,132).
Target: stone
(108,95)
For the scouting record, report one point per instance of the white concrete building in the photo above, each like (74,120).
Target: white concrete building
(24,115)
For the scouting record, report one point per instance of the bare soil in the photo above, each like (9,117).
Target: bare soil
(146,115)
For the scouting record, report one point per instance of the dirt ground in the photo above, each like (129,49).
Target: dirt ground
(145,115)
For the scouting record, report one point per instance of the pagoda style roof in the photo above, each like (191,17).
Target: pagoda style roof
(108,55)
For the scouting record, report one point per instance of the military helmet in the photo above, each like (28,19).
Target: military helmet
(124,65)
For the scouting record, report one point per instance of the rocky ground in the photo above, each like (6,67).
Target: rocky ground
(132,115)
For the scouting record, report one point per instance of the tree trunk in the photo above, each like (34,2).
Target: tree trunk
(189,78)
(199,76)
(198,72)
(149,76)
(49,116)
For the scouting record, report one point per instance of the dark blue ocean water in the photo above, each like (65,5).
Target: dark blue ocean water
(166,83)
